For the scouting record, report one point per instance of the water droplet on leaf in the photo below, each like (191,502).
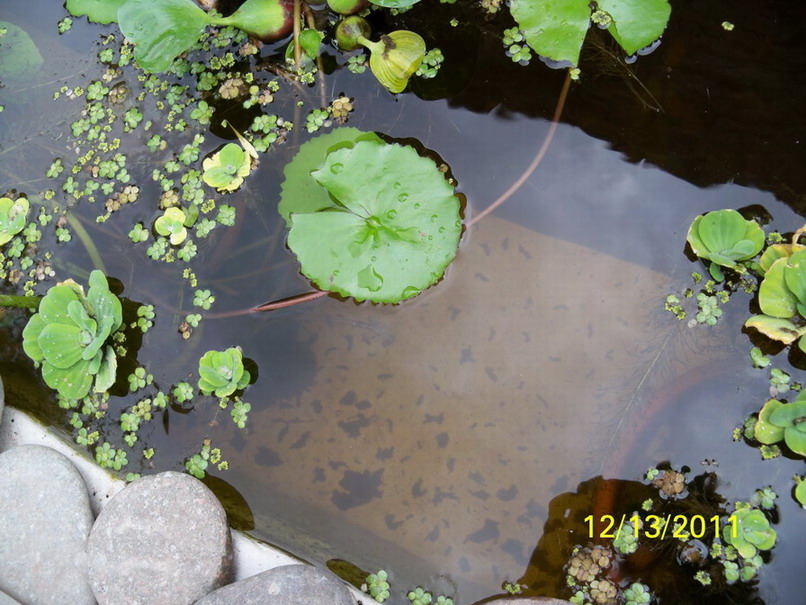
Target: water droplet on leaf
(391,214)
(337,168)
(403,197)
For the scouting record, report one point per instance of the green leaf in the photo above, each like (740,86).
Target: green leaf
(786,415)
(13,216)
(226,168)
(300,193)
(721,230)
(776,251)
(19,55)
(636,23)
(30,337)
(392,226)
(97,11)
(780,329)
(53,307)
(800,493)
(62,344)
(107,371)
(553,28)
(774,297)
(72,383)
(103,301)
(160,31)
(795,275)
(765,431)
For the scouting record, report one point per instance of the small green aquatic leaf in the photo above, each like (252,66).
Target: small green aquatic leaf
(62,344)
(553,28)
(104,302)
(391,228)
(753,533)
(725,237)
(161,31)
(395,58)
(107,370)
(97,11)
(636,23)
(13,216)
(795,275)
(300,193)
(172,225)
(71,383)
(800,491)
(19,56)
(765,431)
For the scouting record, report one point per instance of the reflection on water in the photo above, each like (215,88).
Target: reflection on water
(444,436)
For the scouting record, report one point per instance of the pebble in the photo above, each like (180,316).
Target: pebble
(286,585)
(45,518)
(163,540)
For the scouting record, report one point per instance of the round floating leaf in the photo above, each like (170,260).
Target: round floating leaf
(553,28)
(300,193)
(390,229)
(160,31)
(98,11)
(636,23)
(18,53)
(765,431)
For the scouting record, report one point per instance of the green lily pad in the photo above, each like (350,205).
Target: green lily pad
(300,193)
(98,11)
(636,23)
(390,229)
(553,28)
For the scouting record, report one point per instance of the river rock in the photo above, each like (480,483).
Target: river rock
(285,585)
(45,518)
(7,600)
(163,540)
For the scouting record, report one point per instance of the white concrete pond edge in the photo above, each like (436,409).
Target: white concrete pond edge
(18,428)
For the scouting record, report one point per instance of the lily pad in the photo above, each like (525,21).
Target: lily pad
(98,11)
(553,28)
(300,193)
(390,229)
(636,23)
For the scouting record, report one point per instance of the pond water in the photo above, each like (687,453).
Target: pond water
(455,439)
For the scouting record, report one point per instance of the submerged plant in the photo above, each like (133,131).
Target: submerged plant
(222,372)
(68,334)
(13,216)
(725,238)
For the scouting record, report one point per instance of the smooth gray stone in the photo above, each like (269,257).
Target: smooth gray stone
(163,540)
(7,600)
(285,585)
(45,518)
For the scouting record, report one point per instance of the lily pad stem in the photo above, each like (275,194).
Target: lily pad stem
(20,302)
(555,120)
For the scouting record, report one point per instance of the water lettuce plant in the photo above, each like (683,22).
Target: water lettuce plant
(783,422)
(68,334)
(383,225)
(172,225)
(753,532)
(226,169)
(782,297)
(222,372)
(556,29)
(13,216)
(725,238)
